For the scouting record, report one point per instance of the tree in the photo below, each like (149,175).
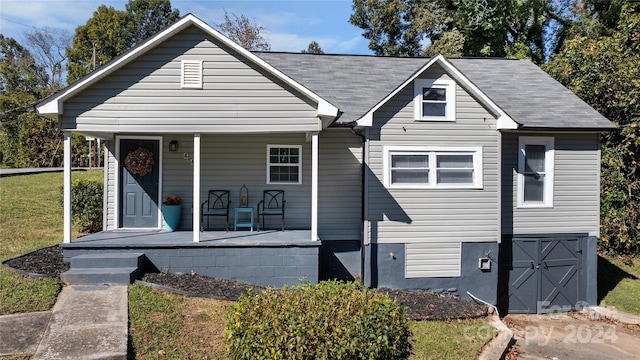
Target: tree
(103,37)
(313,48)
(40,143)
(244,32)
(517,28)
(396,27)
(48,46)
(145,18)
(22,83)
(601,66)
(483,26)
(110,32)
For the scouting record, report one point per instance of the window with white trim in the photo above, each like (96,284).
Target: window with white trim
(434,100)
(191,74)
(284,164)
(535,171)
(441,167)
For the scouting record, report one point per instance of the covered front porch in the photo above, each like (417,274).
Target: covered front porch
(202,163)
(269,258)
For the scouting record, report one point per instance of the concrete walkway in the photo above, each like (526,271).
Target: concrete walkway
(87,322)
(582,336)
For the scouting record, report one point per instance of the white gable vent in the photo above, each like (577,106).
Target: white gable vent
(191,74)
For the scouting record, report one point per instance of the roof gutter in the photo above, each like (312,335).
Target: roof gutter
(362,202)
(566,130)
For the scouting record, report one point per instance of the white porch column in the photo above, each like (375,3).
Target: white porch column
(67,188)
(314,187)
(196,187)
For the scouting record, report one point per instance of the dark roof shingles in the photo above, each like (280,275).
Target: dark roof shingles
(356,83)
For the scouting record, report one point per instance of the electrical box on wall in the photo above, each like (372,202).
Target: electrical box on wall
(484,264)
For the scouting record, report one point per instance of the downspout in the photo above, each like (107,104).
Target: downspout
(362,203)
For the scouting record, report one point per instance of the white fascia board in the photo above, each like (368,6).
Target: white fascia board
(326,109)
(506,123)
(504,120)
(367,119)
(50,109)
(54,104)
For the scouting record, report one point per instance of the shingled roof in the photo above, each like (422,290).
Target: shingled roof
(355,84)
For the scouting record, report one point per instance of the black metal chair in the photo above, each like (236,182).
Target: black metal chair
(272,203)
(217,204)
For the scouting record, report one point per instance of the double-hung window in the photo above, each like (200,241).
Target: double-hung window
(284,164)
(419,167)
(434,99)
(535,171)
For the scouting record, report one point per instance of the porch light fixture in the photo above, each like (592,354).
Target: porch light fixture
(173,145)
(244,196)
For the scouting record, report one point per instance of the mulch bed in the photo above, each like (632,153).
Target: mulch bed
(422,305)
(45,262)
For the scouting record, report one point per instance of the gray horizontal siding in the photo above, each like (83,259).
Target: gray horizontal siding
(145,95)
(433,215)
(440,259)
(339,194)
(576,193)
(230,161)
(111,184)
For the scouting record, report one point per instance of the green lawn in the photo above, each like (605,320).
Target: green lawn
(457,339)
(30,219)
(165,325)
(169,326)
(619,283)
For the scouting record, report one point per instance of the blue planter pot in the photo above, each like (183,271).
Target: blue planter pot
(171,216)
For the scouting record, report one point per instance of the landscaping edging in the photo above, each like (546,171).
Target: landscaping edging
(25,273)
(499,346)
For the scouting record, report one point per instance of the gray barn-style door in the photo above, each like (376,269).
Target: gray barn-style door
(139,193)
(540,275)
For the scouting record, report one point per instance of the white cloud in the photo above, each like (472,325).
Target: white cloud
(287,28)
(356,43)
(59,14)
(289,42)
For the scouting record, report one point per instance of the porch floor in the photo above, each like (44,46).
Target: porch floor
(268,258)
(164,239)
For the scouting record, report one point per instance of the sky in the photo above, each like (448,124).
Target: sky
(290,25)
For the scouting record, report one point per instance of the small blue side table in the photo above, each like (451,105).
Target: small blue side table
(245,223)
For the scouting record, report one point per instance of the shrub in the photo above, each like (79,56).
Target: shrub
(331,320)
(86,204)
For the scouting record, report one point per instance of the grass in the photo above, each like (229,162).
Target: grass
(30,219)
(457,339)
(169,326)
(619,283)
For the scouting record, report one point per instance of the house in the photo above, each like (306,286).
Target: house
(469,177)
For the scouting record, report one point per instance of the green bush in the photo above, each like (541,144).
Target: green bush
(331,320)
(86,204)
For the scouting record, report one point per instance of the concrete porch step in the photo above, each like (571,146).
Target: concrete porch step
(99,276)
(107,260)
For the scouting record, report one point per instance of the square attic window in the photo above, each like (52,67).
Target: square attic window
(434,100)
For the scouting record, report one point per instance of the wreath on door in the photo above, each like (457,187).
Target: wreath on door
(140,161)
